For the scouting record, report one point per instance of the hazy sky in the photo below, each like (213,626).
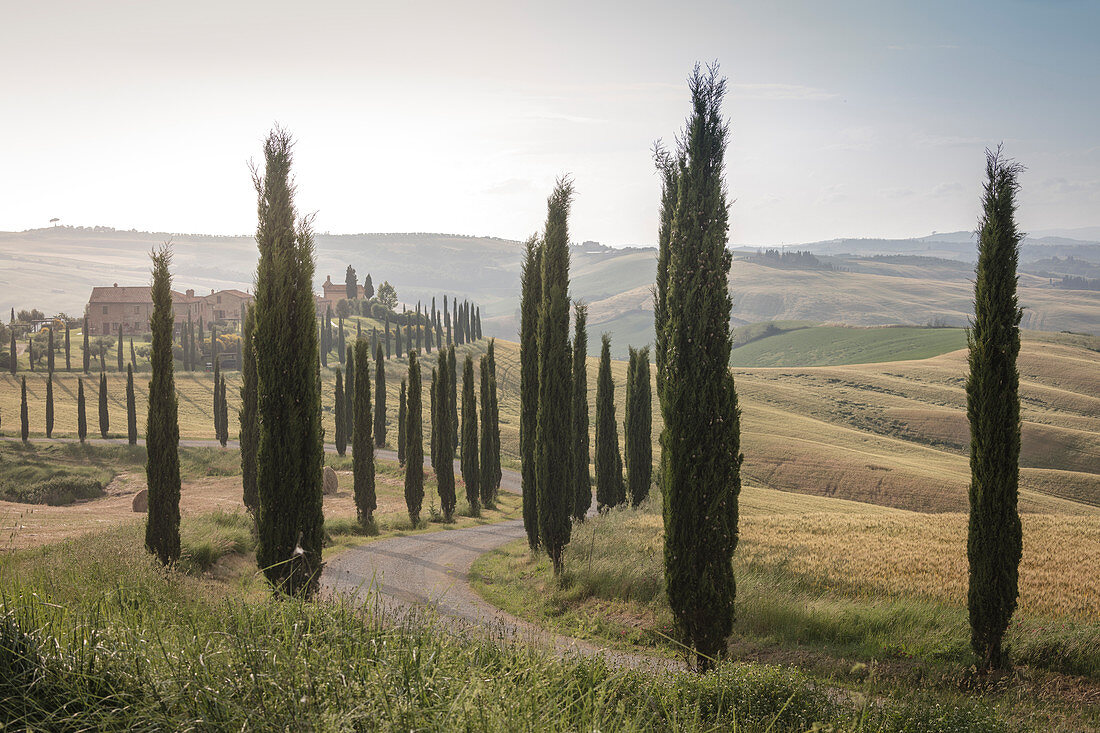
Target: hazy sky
(848,118)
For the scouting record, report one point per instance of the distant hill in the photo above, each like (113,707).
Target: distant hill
(860,282)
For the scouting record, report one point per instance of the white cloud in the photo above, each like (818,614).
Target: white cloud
(792,92)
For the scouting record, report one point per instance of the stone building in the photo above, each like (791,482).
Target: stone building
(132,306)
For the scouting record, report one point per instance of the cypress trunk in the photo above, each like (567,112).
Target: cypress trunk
(609,477)
(552,440)
(131,408)
(290,456)
(582,482)
(702,424)
(994,542)
(414,444)
(162,468)
(530,297)
(362,445)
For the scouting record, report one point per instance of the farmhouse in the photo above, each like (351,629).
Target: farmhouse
(131,307)
(335,292)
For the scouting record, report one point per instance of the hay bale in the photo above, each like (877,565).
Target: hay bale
(141,501)
(332,483)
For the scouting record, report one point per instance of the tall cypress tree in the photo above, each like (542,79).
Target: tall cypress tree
(632,362)
(639,431)
(162,433)
(452,390)
(199,346)
(486,444)
(582,482)
(387,335)
(13,363)
(131,407)
(133,354)
(104,416)
(49,405)
(994,543)
(471,467)
(341,343)
(362,445)
(223,418)
(290,455)
(494,471)
(87,353)
(668,168)
(397,342)
(349,393)
(187,340)
(433,415)
(24,417)
(552,439)
(30,352)
(414,443)
(702,425)
(68,349)
(530,298)
(609,476)
(213,342)
(341,418)
(402,410)
(250,429)
(121,342)
(445,448)
(380,400)
(49,353)
(81,411)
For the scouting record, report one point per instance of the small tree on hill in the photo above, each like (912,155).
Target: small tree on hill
(368,287)
(387,295)
(609,477)
(104,417)
(471,468)
(351,283)
(131,407)
(414,444)
(81,411)
(994,543)
(362,448)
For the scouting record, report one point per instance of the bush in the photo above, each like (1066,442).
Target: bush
(60,490)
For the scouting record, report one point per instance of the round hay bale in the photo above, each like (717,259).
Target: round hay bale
(141,501)
(332,483)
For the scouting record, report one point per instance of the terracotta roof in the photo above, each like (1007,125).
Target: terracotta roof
(126,294)
(232,291)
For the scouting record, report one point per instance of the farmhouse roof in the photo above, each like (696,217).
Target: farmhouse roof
(125,294)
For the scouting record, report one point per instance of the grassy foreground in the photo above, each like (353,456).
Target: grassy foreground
(840,590)
(94,634)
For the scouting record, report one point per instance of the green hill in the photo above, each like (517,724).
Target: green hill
(838,345)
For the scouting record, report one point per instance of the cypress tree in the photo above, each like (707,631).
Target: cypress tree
(197,347)
(582,482)
(68,349)
(397,342)
(186,340)
(452,387)
(131,407)
(445,448)
(81,411)
(104,417)
(668,168)
(351,285)
(341,418)
(224,417)
(291,454)
(632,361)
(120,345)
(494,471)
(380,401)
(414,443)
(402,411)
(49,405)
(639,431)
(349,394)
(30,352)
(447,320)
(341,343)
(133,354)
(486,460)
(13,364)
(433,416)
(362,448)
(213,342)
(531,296)
(387,335)
(609,477)
(702,424)
(217,399)
(24,418)
(552,441)
(49,354)
(477,325)
(249,435)
(322,343)
(162,468)
(994,542)
(471,468)
(87,354)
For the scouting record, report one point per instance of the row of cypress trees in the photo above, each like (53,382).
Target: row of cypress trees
(81,409)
